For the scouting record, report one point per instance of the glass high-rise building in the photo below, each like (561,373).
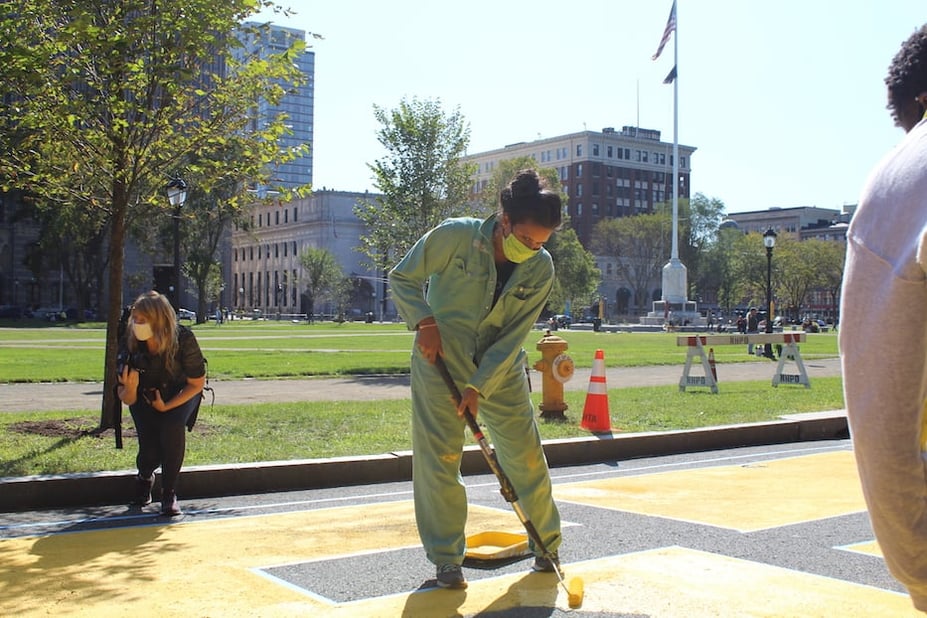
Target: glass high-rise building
(297,104)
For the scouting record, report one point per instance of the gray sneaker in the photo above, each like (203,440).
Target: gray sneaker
(450,576)
(547,564)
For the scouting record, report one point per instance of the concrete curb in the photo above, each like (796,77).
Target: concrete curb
(90,489)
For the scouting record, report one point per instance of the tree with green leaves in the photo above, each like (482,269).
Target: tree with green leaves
(577,277)
(322,278)
(115,98)
(749,266)
(795,271)
(699,219)
(421,180)
(831,261)
(640,246)
(717,275)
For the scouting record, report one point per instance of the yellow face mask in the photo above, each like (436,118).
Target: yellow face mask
(515,250)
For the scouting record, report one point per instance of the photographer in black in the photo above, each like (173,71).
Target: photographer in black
(161,378)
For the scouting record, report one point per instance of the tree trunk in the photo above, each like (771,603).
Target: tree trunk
(111,415)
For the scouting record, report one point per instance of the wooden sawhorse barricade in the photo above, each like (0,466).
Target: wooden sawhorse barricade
(697,345)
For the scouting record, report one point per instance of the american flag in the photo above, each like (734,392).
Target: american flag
(670,27)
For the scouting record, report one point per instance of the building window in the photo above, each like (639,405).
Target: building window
(579,190)
(595,208)
(579,150)
(294,213)
(579,170)
(595,150)
(277,217)
(286,216)
(579,210)
(609,151)
(293,287)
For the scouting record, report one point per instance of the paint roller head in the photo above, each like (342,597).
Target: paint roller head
(575,592)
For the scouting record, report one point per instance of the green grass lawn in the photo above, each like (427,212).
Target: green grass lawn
(269,349)
(269,432)
(275,431)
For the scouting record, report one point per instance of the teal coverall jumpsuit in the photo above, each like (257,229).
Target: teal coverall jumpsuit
(482,344)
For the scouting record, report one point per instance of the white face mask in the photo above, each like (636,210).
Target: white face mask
(142,332)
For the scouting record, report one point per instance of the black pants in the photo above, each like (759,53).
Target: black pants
(162,440)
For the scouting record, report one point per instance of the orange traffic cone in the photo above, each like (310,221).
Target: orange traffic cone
(595,412)
(711,363)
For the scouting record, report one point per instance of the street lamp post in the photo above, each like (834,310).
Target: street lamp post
(176,195)
(769,240)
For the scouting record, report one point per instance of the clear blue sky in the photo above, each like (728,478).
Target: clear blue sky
(784,100)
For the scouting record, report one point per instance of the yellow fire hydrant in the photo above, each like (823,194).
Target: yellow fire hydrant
(556,369)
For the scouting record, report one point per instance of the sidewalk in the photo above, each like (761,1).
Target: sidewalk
(88,395)
(111,487)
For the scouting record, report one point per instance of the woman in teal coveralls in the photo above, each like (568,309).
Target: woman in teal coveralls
(487,282)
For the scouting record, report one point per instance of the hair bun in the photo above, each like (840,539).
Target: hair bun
(526,184)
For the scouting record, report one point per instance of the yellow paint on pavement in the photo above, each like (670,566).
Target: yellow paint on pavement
(210,568)
(744,498)
(870,548)
(673,581)
(199,568)
(664,583)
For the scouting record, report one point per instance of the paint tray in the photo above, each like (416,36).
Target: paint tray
(496,545)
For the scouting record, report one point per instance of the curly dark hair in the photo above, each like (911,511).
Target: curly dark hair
(907,74)
(527,198)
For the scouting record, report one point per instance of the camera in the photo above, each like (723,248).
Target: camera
(134,360)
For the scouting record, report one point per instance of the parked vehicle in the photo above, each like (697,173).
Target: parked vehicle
(51,314)
(186,314)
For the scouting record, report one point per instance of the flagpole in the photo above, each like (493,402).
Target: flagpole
(674,256)
(675,287)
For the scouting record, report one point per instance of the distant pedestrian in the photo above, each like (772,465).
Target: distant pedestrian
(885,370)
(753,326)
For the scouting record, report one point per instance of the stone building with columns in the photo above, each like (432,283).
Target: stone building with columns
(265,273)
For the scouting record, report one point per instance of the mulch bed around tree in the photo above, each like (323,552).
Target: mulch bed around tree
(78,428)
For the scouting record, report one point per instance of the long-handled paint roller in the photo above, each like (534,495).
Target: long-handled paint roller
(575,589)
